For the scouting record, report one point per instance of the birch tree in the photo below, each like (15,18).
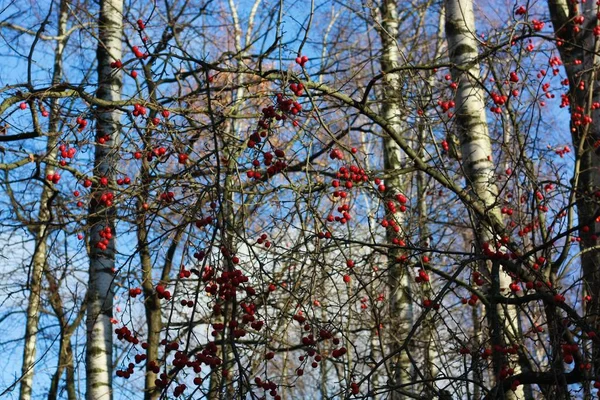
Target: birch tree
(477,162)
(101,220)
(43,226)
(401,314)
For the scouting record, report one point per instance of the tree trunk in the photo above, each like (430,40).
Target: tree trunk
(478,165)
(65,353)
(65,361)
(401,313)
(33,306)
(429,333)
(151,305)
(578,54)
(41,233)
(102,261)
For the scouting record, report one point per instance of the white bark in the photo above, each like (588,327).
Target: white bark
(102,262)
(222,387)
(474,137)
(41,233)
(399,280)
(470,105)
(431,338)
(33,306)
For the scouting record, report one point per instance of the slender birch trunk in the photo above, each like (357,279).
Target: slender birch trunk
(429,333)
(102,262)
(65,361)
(430,346)
(152,304)
(476,152)
(223,387)
(35,287)
(399,281)
(65,353)
(42,230)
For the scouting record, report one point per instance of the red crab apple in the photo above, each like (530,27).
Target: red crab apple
(301,60)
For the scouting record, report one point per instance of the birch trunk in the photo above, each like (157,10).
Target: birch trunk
(583,46)
(476,152)
(102,262)
(429,334)
(230,215)
(65,361)
(41,232)
(401,313)
(152,304)
(34,304)
(65,353)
